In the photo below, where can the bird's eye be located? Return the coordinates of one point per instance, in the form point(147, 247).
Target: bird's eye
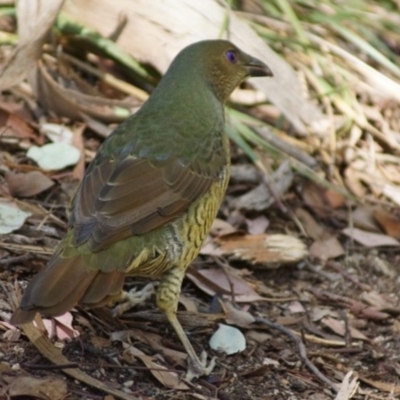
point(231, 56)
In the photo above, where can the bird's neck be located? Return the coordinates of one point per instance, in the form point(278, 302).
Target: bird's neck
point(185, 102)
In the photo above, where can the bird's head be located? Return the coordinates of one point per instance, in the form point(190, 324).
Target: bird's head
point(221, 64)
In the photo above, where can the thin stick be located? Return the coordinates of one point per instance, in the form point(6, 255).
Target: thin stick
point(302, 351)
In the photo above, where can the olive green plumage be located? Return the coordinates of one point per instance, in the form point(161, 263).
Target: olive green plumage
point(148, 199)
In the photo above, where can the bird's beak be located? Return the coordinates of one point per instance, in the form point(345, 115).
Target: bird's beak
point(256, 67)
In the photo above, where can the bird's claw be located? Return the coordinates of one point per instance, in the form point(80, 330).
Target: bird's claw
point(198, 367)
point(134, 297)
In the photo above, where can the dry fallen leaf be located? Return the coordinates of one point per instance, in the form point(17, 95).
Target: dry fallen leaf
point(11, 217)
point(217, 281)
point(220, 227)
point(339, 328)
point(310, 225)
point(72, 103)
point(363, 218)
point(152, 340)
point(49, 387)
point(326, 248)
point(334, 199)
point(235, 316)
point(257, 225)
point(163, 375)
point(389, 222)
point(261, 197)
point(383, 386)
point(348, 387)
point(14, 126)
point(375, 299)
point(392, 192)
point(313, 196)
point(27, 185)
point(369, 239)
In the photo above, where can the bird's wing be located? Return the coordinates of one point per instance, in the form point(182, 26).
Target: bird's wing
point(119, 199)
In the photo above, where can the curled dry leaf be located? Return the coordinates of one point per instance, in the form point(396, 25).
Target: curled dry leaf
point(27, 185)
point(71, 103)
point(264, 249)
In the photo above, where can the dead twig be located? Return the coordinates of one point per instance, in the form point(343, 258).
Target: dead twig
point(16, 259)
point(302, 351)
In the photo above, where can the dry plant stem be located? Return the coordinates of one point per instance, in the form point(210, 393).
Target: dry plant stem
point(16, 259)
point(347, 334)
point(325, 295)
point(94, 366)
point(270, 186)
point(223, 264)
point(26, 248)
point(336, 266)
point(119, 28)
point(186, 318)
point(108, 78)
point(302, 351)
point(286, 147)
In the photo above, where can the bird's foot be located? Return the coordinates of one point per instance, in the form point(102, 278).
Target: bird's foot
point(134, 297)
point(198, 367)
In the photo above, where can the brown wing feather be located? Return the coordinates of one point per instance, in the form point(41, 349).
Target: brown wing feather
point(136, 196)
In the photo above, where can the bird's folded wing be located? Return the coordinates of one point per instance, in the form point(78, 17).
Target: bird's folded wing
point(132, 197)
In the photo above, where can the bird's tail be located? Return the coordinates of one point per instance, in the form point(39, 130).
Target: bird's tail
point(64, 283)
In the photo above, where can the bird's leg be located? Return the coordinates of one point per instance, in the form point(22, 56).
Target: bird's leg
point(167, 296)
point(133, 297)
